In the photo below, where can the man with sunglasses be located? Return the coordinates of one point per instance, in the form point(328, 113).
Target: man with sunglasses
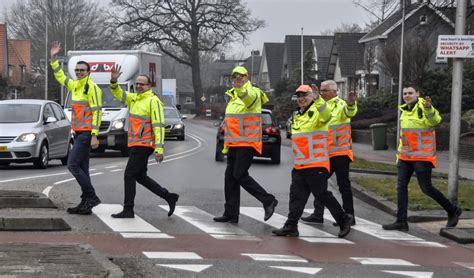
point(243, 140)
point(311, 163)
point(86, 104)
point(339, 146)
point(145, 137)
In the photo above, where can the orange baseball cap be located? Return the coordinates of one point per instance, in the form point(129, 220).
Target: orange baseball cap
point(304, 89)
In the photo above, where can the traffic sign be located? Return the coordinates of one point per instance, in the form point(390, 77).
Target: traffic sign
point(203, 98)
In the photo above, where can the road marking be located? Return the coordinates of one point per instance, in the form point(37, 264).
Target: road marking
point(110, 167)
point(47, 190)
point(382, 261)
point(275, 258)
point(122, 225)
point(414, 274)
point(173, 255)
point(181, 154)
point(145, 235)
point(425, 244)
point(203, 221)
point(34, 177)
point(189, 267)
point(307, 232)
point(72, 179)
point(307, 270)
point(466, 265)
point(116, 170)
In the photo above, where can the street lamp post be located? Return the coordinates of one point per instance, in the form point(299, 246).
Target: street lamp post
point(302, 55)
point(400, 72)
point(46, 51)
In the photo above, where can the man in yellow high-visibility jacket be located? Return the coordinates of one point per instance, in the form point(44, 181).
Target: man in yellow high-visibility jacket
point(242, 140)
point(416, 153)
point(86, 104)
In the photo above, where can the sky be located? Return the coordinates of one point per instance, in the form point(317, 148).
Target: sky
point(287, 17)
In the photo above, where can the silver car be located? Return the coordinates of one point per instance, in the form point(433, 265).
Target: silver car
point(35, 131)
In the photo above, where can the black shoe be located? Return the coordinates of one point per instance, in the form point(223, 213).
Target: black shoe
point(172, 199)
point(313, 219)
point(398, 226)
point(287, 230)
point(223, 218)
point(345, 226)
point(125, 213)
point(270, 209)
point(352, 224)
point(75, 209)
point(90, 202)
point(453, 218)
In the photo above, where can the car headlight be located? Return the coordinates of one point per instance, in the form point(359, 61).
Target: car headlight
point(118, 124)
point(27, 137)
point(178, 126)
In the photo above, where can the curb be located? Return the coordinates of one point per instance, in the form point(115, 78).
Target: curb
point(460, 235)
point(113, 271)
point(33, 224)
point(24, 199)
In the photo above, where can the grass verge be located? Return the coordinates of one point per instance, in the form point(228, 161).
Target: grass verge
point(417, 200)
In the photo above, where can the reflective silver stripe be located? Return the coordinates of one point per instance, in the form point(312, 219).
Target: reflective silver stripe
point(242, 139)
point(417, 129)
point(419, 154)
point(134, 116)
point(340, 149)
point(159, 145)
point(336, 133)
point(242, 116)
point(124, 97)
point(96, 108)
point(334, 127)
point(244, 95)
point(114, 86)
point(80, 102)
point(65, 83)
point(97, 118)
point(322, 107)
point(157, 125)
point(95, 127)
point(299, 158)
point(57, 69)
point(253, 102)
point(429, 116)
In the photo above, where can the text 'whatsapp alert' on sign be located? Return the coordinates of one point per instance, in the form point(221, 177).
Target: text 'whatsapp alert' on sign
point(455, 46)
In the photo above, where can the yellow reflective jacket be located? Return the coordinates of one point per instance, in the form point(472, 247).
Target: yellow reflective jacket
point(145, 109)
point(339, 136)
point(86, 104)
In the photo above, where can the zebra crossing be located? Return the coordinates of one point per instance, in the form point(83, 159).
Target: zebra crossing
point(193, 261)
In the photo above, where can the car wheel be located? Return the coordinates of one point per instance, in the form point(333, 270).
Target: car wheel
point(64, 159)
point(181, 138)
point(288, 135)
point(276, 155)
point(125, 151)
point(219, 155)
point(43, 159)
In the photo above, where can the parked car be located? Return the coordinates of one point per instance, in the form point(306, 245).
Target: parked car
point(35, 131)
point(288, 127)
point(270, 136)
point(174, 126)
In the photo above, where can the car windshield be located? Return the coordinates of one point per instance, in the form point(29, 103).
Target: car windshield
point(108, 99)
point(266, 119)
point(19, 113)
point(171, 113)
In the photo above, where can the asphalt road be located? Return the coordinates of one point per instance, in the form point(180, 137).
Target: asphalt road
point(199, 247)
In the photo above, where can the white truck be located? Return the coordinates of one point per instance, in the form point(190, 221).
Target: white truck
point(114, 126)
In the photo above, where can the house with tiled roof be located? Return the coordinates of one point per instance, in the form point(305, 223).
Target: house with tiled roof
point(320, 46)
point(423, 23)
point(271, 66)
point(252, 64)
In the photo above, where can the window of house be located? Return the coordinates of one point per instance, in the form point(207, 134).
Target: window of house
point(22, 72)
point(10, 70)
point(188, 100)
point(423, 19)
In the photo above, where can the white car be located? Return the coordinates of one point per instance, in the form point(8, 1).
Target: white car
point(35, 131)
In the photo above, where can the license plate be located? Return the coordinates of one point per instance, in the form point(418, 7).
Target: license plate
point(3, 148)
point(167, 130)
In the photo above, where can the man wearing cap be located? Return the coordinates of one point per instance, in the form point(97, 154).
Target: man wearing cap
point(243, 140)
point(311, 163)
point(339, 145)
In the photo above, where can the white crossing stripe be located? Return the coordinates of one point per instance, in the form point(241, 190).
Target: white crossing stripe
point(173, 255)
point(307, 232)
point(116, 170)
point(188, 267)
point(275, 257)
point(145, 235)
point(382, 261)
point(203, 221)
point(424, 244)
point(466, 265)
point(110, 167)
point(306, 270)
point(414, 274)
point(123, 225)
point(47, 190)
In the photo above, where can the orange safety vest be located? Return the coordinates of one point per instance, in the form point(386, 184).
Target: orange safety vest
point(418, 144)
point(339, 140)
point(140, 132)
point(243, 130)
point(310, 150)
point(81, 116)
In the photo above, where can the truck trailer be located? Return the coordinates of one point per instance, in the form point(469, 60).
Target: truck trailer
point(114, 126)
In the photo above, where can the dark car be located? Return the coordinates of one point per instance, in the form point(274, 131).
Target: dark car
point(271, 139)
point(174, 126)
point(288, 127)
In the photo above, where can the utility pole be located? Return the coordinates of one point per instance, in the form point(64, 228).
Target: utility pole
point(456, 97)
point(400, 72)
point(302, 56)
point(46, 51)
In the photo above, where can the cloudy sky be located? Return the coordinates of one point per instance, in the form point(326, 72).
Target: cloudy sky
point(287, 17)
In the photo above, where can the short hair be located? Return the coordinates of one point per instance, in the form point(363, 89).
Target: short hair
point(84, 63)
point(148, 79)
point(330, 83)
point(411, 84)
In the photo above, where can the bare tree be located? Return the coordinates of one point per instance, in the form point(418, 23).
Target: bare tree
point(182, 29)
point(345, 28)
point(78, 23)
point(378, 9)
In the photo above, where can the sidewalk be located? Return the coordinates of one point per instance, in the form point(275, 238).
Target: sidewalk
point(365, 151)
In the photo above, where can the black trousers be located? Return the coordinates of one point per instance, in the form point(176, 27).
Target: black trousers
point(306, 181)
point(136, 171)
point(340, 166)
point(239, 160)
